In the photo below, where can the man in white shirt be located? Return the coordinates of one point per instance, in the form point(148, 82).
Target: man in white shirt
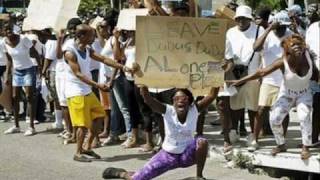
point(239, 54)
point(313, 41)
point(270, 46)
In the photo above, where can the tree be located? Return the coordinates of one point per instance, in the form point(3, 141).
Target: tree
point(273, 4)
point(92, 5)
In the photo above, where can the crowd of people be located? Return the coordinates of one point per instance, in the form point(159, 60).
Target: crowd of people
point(271, 58)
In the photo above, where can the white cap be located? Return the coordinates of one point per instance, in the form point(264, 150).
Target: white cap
point(243, 11)
point(296, 9)
point(282, 17)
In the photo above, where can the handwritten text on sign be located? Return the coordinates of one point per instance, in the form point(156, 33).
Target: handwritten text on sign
point(180, 51)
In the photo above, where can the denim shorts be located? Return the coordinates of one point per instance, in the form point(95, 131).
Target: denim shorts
point(315, 87)
point(24, 77)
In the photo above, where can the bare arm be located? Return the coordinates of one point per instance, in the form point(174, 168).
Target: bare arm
point(154, 8)
point(46, 65)
point(9, 69)
point(73, 63)
point(258, 44)
point(105, 60)
point(207, 100)
point(278, 64)
point(60, 40)
point(154, 104)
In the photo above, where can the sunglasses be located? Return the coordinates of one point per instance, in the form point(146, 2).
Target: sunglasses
point(181, 98)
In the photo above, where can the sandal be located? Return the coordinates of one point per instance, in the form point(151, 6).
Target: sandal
point(112, 172)
point(227, 148)
point(278, 149)
point(146, 148)
point(92, 154)
point(305, 154)
point(81, 158)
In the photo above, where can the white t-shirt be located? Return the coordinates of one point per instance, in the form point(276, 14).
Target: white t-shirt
point(96, 46)
point(313, 40)
point(51, 53)
point(104, 70)
point(3, 57)
point(130, 53)
point(38, 46)
point(74, 86)
point(178, 135)
point(20, 54)
point(272, 50)
point(239, 46)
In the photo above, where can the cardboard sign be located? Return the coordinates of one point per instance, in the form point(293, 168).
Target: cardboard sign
point(180, 52)
point(53, 14)
point(127, 18)
point(4, 17)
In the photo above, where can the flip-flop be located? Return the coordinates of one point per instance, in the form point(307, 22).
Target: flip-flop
point(277, 150)
point(112, 172)
point(92, 154)
point(81, 158)
point(144, 149)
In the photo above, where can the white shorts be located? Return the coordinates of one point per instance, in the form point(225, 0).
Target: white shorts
point(247, 97)
point(60, 87)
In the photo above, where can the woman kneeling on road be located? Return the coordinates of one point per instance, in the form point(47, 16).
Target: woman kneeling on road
point(180, 148)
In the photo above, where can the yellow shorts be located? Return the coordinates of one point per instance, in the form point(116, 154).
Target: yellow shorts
point(84, 109)
point(268, 95)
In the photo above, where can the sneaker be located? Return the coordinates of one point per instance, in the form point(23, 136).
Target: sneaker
point(34, 121)
point(234, 136)
point(66, 135)
point(123, 137)
point(55, 127)
point(111, 140)
point(253, 146)
point(250, 139)
point(12, 130)
point(30, 132)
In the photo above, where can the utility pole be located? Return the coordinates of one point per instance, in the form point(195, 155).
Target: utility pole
point(290, 3)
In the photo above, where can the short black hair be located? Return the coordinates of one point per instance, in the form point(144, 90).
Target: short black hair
point(186, 92)
point(264, 13)
point(73, 23)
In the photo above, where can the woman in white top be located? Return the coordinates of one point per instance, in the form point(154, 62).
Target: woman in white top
point(19, 51)
point(180, 148)
point(298, 69)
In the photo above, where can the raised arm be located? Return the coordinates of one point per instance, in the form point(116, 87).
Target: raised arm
point(154, 104)
point(60, 39)
point(278, 64)
point(258, 44)
point(207, 100)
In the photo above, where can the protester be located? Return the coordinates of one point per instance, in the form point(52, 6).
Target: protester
point(270, 46)
point(49, 72)
point(179, 149)
point(298, 69)
point(19, 51)
point(243, 60)
point(313, 41)
point(85, 109)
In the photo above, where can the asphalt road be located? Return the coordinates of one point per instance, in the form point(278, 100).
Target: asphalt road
point(44, 157)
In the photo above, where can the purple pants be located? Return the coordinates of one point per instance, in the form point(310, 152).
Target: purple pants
point(164, 161)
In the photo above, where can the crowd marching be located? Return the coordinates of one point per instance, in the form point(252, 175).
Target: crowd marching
point(272, 58)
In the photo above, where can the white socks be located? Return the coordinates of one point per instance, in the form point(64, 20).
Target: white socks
point(59, 117)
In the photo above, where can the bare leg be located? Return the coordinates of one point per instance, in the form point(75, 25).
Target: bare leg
point(31, 105)
point(201, 156)
point(258, 121)
point(252, 116)
point(16, 98)
point(106, 126)
point(80, 139)
point(67, 119)
point(225, 117)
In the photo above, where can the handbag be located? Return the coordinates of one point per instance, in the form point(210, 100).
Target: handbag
point(239, 70)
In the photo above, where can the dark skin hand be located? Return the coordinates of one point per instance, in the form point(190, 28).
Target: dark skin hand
point(180, 104)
